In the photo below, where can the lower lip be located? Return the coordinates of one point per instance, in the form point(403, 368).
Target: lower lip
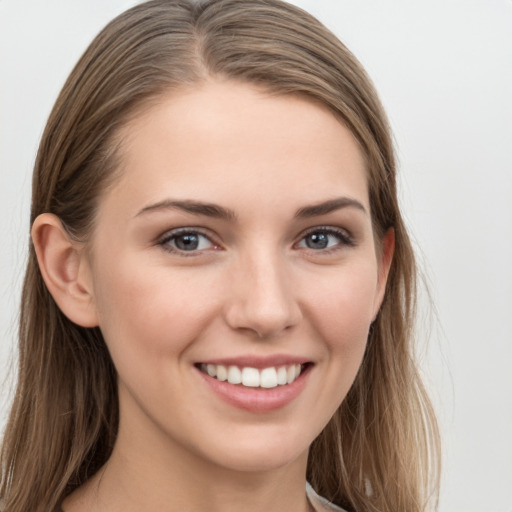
point(257, 400)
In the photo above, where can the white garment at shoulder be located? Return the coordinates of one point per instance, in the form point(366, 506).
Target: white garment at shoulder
point(320, 504)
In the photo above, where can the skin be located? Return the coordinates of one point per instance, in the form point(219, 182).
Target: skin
point(253, 287)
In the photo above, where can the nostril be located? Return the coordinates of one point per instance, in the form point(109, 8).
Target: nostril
point(267, 321)
point(262, 298)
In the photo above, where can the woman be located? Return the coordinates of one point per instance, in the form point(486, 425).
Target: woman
point(219, 298)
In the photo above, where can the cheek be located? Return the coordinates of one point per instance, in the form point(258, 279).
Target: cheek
point(342, 307)
point(150, 312)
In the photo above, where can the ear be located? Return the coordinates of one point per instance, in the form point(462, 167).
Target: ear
point(385, 257)
point(65, 269)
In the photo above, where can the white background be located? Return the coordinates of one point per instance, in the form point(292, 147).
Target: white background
point(444, 72)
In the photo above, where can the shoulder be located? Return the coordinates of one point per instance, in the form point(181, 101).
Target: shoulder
point(320, 504)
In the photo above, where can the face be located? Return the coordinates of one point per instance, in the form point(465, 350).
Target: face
point(237, 245)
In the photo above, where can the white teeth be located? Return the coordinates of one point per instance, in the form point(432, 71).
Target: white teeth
point(251, 377)
point(270, 377)
point(211, 369)
point(234, 375)
point(282, 376)
point(290, 374)
point(222, 372)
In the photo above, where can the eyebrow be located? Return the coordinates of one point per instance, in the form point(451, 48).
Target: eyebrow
point(194, 207)
point(329, 206)
point(219, 212)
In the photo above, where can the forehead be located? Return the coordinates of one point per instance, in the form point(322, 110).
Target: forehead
point(225, 141)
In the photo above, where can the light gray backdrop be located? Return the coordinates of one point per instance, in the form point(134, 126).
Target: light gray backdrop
point(444, 72)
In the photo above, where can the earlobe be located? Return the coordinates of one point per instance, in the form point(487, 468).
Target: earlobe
point(385, 259)
point(64, 269)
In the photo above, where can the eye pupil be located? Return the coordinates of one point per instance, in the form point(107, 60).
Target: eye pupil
point(317, 240)
point(188, 242)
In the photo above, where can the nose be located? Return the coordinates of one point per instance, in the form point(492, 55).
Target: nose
point(262, 297)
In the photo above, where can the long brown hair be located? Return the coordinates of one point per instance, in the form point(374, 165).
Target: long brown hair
point(379, 452)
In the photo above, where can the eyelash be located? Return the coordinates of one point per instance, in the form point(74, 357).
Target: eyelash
point(344, 238)
point(178, 233)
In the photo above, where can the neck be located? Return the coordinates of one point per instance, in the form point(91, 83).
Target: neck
point(151, 472)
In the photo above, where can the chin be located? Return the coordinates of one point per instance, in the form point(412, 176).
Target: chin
point(264, 461)
point(259, 453)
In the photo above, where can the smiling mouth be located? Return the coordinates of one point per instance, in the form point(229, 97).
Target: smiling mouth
point(265, 378)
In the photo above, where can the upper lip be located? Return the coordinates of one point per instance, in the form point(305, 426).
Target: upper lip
point(258, 362)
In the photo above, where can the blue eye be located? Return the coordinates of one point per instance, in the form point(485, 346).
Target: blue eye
point(186, 240)
point(325, 238)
